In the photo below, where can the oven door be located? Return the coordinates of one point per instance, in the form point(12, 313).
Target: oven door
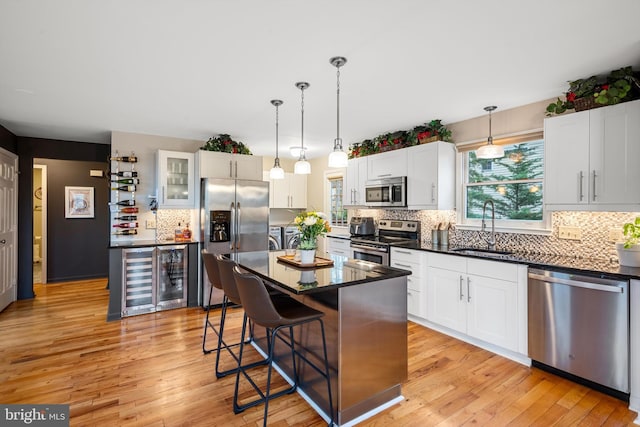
point(369, 253)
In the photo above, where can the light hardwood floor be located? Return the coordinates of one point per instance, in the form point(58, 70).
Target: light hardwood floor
point(149, 370)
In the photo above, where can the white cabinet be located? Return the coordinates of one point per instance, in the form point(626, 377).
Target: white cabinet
point(431, 176)
point(176, 179)
point(214, 164)
point(476, 297)
point(416, 262)
point(387, 165)
point(339, 246)
point(354, 183)
point(590, 159)
point(290, 192)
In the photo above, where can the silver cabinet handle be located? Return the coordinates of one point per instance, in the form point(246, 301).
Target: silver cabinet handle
point(433, 193)
point(403, 252)
point(468, 293)
point(461, 294)
point(386, 174)
point(230, 169)
point(162, 194)
point(580, 193)
point(594, 185)
point(403, 265)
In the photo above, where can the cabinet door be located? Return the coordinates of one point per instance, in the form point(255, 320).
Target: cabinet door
point(214, 164)
point(298, 191)
point(279, 192)
point(566, 159)
point(355, 179)
point(386, 165)
point(446, 298)
point(338, 246)
point(614, 153)
point(422, 176)
point(247, 167)
point(492, 311)
point(175, 179)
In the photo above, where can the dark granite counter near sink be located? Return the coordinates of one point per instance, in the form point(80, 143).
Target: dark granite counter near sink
point(598, 266)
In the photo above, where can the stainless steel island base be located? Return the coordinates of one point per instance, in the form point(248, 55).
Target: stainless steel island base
point(366, 332)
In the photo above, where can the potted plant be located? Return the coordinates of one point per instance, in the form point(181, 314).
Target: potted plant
point(311, 225)
point(629, 250)
point(224, 143)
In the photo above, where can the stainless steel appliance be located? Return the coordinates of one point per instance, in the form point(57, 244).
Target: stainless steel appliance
point(376, 248)
point(362, 226)
point(580, 325)
point(234, 217)
point(275, 238)
point(386, 192)
point(290, 237)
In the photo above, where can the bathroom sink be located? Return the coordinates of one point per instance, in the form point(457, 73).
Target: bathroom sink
point(489, 253)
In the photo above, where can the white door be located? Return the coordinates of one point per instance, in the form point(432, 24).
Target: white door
point(8, 228)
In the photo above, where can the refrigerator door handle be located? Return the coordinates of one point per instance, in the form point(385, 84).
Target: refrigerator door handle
point(233, 227)
point(237, 233)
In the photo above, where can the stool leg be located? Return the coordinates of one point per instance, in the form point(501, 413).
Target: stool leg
point(327, 371)
point(207, 323)
point(221, 343)
point(236, 408)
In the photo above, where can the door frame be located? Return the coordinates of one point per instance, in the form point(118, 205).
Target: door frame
point(14, 227)
point(43, 241)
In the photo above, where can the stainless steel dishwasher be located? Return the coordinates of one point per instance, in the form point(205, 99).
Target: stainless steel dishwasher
point(580, 325)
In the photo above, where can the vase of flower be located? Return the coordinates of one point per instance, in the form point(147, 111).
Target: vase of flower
point(311, 225)
point(307, 256)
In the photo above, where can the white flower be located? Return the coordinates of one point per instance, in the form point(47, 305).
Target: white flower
point(309, 221)
point(322, 215)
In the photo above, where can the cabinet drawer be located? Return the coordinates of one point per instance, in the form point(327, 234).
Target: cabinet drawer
point(413, 267)
point(448, 262)
point(413, 283)
point(338, 243)
point(493, 269)
point(406, 255)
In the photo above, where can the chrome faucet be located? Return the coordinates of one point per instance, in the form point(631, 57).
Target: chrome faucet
point(491, 241)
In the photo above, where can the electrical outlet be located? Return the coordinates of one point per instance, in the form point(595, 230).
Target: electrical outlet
point(150, 224)
point(569, 233)
point(615, 235)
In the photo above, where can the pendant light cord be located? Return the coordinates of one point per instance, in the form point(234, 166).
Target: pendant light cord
point(338, 140)
point(302, 154)
point(277, 132)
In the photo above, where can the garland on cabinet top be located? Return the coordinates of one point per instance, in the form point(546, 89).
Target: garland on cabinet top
point(427, 132)
point(224, 143)
point(584, 94)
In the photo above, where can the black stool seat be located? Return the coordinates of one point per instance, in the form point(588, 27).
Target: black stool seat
point(275, 314)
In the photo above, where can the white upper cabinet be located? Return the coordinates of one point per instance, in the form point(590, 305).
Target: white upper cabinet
point(590, 159)
point(387, 165)
point(355, 178)
point(176, 179)
point(431, 176)
point(290, 192)
point(214, 164)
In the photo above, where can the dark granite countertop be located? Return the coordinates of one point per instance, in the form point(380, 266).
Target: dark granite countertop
point(344, 272)
point(597, 266)
point(126, 244)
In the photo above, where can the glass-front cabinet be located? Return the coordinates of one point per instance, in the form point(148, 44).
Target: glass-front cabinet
point(176, 179)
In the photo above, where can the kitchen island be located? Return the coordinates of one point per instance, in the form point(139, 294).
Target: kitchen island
point(365, 306)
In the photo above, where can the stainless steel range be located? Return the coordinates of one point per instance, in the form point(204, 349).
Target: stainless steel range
point(375, 248)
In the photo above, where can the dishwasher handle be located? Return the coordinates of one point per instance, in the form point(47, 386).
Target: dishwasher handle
point(577, 283)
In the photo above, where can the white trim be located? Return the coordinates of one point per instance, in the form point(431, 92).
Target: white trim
point(498, 137)
point(43, 238)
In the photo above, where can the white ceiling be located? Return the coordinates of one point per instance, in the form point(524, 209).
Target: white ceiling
point(78, 69)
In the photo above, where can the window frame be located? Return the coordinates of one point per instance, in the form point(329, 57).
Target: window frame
point(542, 226)
point(330, 175)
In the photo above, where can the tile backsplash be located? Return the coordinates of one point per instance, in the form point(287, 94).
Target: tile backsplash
point(594, 226)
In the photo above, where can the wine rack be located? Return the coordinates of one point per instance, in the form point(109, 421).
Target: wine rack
point(123, 182)
point(139, 266)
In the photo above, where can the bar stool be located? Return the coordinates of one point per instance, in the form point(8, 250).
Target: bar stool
point(211, 267)
point(275, 315)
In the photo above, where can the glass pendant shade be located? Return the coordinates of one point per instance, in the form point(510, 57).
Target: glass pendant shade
point(302, 167)
point(338, 159)
point(276, 172)
point(490, 151)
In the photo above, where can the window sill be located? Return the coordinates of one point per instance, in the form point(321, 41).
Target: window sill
point(514, 230)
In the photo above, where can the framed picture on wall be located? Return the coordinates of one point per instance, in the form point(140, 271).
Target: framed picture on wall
point(79, 202)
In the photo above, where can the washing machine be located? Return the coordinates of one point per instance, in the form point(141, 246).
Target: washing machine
point(275, 238)
point(291, 237)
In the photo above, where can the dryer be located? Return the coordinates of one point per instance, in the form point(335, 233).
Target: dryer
point(291, 237)
point(275, 238)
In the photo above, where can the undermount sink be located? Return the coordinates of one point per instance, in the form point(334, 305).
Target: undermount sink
point(483, 252)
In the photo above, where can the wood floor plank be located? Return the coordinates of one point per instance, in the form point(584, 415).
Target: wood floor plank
point(149, 370)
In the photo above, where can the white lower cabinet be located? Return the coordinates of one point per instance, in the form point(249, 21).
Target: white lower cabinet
point(338, 246)
point(414, 261)
point(479, 298)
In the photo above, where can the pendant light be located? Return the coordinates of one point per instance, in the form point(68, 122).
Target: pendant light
point(338, 158)
point(490, 151)
point(276, 171)
point(302, 166)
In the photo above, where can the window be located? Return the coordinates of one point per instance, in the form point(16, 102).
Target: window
point(337, 213)
point(514, 183)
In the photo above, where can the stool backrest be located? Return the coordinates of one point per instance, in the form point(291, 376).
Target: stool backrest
point(256, 301)
point(211, 267)
point(225, 268)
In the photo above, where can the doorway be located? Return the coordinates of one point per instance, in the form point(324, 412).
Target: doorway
point(39, 238)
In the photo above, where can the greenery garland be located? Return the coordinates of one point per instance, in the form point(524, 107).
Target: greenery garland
point(225, 144)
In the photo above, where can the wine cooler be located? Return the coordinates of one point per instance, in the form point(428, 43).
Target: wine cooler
point(154, 278)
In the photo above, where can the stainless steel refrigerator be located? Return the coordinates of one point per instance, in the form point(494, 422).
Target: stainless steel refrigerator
point(234, 217)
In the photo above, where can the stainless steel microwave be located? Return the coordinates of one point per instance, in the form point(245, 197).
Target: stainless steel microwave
point(386, 192)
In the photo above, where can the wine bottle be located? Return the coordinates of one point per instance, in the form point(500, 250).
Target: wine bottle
point(124, 203)
point(126, 232)
point(126, 181)
point(126, 225)
point(126, 159)
point(129, 210)
point(126, 218)
point(125, 188)
point(126, 174)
